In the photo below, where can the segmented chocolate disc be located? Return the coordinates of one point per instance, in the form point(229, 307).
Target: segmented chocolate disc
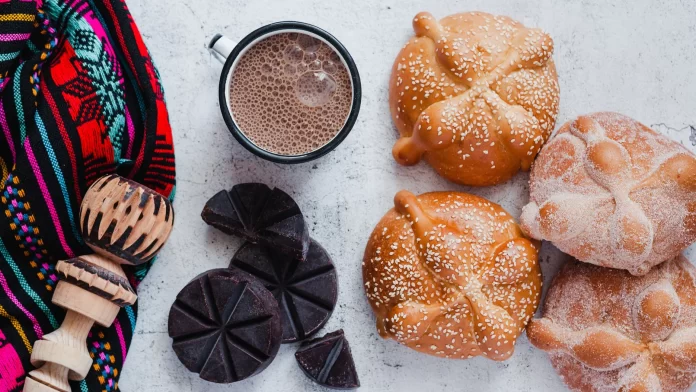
point(260, 215)
point(306, 291)
point(225, 326)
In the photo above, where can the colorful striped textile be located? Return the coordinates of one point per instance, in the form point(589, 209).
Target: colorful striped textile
point(79, 98)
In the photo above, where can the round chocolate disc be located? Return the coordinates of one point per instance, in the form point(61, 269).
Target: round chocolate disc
point(306, 291)
point(225, 325)
point(260, 215)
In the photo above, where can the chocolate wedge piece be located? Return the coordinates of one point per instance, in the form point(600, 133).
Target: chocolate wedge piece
point(306, 291)
point(225, 326)
point(260, 215)
point(328, 361)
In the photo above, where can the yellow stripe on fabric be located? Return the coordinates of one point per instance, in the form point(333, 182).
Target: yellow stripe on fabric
point(18, 327)
point(3, 168)
point(17, 18)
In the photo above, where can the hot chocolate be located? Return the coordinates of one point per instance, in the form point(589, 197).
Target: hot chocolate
point(290, 94)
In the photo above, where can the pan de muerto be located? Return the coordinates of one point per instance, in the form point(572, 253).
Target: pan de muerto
point(612, 192)
point(607, 330)
point(474, 94)
point(450, 274)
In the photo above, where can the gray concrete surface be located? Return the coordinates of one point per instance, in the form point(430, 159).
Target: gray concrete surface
point(637, 57)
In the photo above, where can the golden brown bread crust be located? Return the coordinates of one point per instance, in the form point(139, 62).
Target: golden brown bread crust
point(607, 330)
point(475, 94)
point(612, 192)
point(451, 274)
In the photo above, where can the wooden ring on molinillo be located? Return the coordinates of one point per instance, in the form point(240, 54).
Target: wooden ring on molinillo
point(125, 223)
point(85, 272)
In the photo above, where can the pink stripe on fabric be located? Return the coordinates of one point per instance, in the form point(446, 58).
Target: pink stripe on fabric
point(14, 37)
point(11, 369)
point(131, 134)
point(10, 295)
point(121, 339)
point(47, 198)
point(8, 135)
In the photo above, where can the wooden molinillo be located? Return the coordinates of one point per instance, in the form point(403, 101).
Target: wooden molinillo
point(124, 223)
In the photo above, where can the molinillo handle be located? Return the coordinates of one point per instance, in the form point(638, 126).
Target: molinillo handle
point(221, 47)
point(124, 223)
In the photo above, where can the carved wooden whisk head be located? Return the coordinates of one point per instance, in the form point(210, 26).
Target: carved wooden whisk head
point(125, 221)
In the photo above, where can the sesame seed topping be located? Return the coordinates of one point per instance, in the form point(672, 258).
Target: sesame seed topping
point(460, 280)
point(486, 84)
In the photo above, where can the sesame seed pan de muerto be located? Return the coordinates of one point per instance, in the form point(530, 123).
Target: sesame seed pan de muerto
point(612, 192)
point(450, 274)
point(475, 95)
point(607, 330)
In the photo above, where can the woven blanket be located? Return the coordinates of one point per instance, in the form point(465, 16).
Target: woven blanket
point(79, 98)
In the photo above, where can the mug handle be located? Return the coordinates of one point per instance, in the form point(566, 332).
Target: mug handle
point(221, 47)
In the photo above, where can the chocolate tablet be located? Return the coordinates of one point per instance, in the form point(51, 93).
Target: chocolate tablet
point(306, 291)
point(225, 326)
point(328, 361)
point(260, 215)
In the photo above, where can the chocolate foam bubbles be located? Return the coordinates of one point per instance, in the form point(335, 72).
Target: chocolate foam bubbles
point(290, 94)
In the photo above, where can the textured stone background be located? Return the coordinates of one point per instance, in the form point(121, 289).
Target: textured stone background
point(636, 57)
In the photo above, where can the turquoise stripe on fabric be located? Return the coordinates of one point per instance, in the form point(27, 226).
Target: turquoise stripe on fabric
point(18, 103)
point(9, 56)
point(23, 282)
point(131, 317)
point(32, 47)
point(59, 174)
point(83, 386)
